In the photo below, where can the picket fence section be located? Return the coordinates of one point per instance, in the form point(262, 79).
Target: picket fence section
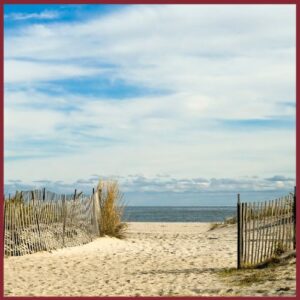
point(265, 229)
point(41, 221)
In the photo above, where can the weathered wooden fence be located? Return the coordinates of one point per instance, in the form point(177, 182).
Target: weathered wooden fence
point(265, 229)
point(41, 220)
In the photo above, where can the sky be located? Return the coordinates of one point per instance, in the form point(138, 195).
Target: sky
point(170, 100)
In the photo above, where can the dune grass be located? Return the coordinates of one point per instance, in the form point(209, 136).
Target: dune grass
point(111, 209)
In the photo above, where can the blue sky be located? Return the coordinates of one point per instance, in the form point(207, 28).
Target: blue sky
point(34, 14)
point(154, 96)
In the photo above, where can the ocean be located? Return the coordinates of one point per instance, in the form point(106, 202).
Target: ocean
point(178, 213)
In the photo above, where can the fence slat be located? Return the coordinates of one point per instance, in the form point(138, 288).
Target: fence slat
point(253, 233)
point(291, 227)
point(245, 233)
point(264, 232)
point(259, 232)
point(279, 231)
point(283, 238)
point(272, 229)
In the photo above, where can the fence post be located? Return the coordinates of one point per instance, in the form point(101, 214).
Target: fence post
point(44, 194)
point(75, 192)
point(238, 232)
point(294, 217)
point(64, 217)
point(96, 210)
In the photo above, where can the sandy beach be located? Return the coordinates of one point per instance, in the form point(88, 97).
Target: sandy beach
point(155, 259)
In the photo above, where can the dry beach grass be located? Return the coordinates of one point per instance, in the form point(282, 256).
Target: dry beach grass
point(111, 209)
point(154, 259)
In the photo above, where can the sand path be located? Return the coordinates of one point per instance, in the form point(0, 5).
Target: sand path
point(155, 259)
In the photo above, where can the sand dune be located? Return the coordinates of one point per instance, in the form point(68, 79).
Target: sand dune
point(155, 259)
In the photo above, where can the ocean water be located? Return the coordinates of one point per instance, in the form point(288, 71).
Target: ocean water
point(178, 213)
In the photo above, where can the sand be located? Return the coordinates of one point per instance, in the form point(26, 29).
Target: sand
point(155, 259)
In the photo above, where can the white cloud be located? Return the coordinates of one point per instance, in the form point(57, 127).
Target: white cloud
point(233, 55)
point(198, 154)
point(44, 15)
point(218, 62)
point(18, 71)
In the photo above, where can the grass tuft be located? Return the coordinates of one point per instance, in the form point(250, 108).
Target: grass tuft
point(111, 210)
point(231, 220)
point(214, 226)
point(246, 277)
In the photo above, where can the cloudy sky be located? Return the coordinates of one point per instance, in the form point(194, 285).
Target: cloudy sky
point(166, 99)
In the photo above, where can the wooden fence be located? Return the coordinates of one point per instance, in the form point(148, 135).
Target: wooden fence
point(40, 220)
point(265, 229)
